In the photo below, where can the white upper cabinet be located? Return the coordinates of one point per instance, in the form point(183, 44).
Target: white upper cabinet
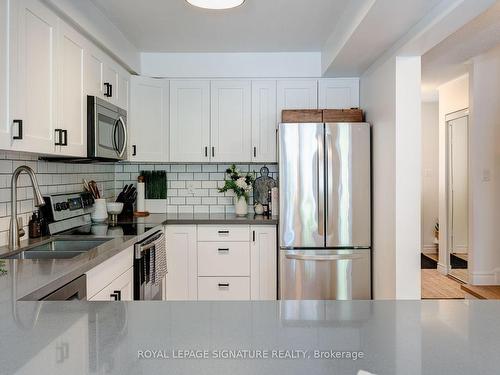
point(231, 121)
point(110, 82)
point(71, 126)
point(264, 124)
point(94, 66)
point(148, 120)
point(33, 76)
point(189, 121)
point(297, 94)
point(123, 90)
point(5, 138)
point(339, 93)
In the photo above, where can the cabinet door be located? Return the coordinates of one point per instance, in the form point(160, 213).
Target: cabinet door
point(189, 121)
point(110, 82)
point(263, 258)
point(230, 128)
point(181, 279)
point(120, 289)
point(33, 76)
point(123, 90)
point(149, 119)
point(94, 65)
point(339, 93)
point(71, 95)
point(297, 94)
point(5, 136)
point(264, 123)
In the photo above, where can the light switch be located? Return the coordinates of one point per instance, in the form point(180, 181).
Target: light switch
point(486, 175)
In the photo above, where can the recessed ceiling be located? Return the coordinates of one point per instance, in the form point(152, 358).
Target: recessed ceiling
point(449, 59)
point(255, 26)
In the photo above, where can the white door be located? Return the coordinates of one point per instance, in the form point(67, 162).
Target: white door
point(110, 82)
point(5, 137)
point(94, 65)
point(230, 130)
point(149, 119)
point(339, 93)
point(189, 121)
point(263, 258)
point(181, 279)
point(264, 124)
point(71, 129)
point(33, 76)
point(297, 94)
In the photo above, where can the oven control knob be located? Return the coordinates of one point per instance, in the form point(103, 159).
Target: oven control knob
point(64, 205)
point(58, 207)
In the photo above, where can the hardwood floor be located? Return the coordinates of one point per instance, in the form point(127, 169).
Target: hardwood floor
point(437, 286)
point(460, 274)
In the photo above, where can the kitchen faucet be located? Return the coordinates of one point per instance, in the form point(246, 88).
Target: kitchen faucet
point(14, 235)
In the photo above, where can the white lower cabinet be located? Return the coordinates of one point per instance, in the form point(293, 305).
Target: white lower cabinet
point(181, 283)
point(221, 262)
point(223, 288)
point(113, 279)
point(120, 289)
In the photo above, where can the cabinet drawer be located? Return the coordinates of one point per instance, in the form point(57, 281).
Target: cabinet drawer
point(223, 288)
point(223, 233)
point(223, 258)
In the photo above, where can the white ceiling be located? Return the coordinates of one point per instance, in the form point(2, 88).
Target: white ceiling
point(256, 26)
point(450, 58)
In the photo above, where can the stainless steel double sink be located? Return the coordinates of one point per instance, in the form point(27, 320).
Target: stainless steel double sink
point(57, 249)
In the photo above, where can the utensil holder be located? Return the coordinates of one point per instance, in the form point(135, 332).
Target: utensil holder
point(100, 212)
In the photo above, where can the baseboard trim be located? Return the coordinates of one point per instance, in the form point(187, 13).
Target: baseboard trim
point(482, 278)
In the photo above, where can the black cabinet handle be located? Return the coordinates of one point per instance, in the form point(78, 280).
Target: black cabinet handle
point(226, 250)
point(255, 152)
point(206, 151)
point(134, 150)
point(109, 89)
point(118, 295)
point(213, 151)
point(114, 296)
point(253, 236)
point(223, 285)
point(19, 129)
point(223, 232)
point(65, 134)
point(58, 136)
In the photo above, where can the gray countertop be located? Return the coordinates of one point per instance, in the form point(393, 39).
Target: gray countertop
point(224, 219)
point(404, 337)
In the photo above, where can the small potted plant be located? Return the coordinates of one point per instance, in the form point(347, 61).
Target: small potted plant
point(241, 185)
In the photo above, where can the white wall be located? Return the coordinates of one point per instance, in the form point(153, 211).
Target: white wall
point(390, 95)
point(224, 65)
point(484, 178)
point(430, 173)
point(453, 96)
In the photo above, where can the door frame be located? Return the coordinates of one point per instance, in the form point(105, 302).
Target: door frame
point(449, 181)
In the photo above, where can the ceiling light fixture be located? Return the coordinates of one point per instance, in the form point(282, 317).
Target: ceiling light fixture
point(216, 4)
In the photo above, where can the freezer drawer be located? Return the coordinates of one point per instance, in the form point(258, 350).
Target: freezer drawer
point(325, 274)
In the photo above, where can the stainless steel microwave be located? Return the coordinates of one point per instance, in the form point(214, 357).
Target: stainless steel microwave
point(106, 130)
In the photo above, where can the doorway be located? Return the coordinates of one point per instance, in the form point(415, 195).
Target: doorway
point(457, 125)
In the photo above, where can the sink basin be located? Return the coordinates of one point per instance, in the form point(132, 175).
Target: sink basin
point(57, 249)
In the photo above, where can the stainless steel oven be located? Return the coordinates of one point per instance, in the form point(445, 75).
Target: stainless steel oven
point(106, 130)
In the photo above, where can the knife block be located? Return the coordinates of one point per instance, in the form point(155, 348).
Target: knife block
point(128, 211)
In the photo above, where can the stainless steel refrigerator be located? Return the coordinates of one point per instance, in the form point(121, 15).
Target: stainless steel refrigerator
point(325, 211)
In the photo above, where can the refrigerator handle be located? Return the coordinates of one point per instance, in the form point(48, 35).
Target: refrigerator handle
point(321, 185)
point(328, 155)
point(324, 257)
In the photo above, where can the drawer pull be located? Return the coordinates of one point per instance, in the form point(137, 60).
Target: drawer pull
point(223, 285)
point(223, 250)
point(223, 232)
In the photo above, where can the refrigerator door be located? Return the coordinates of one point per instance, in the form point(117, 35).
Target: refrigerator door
point(325, 274)
point(301, 166)
point(348, 182)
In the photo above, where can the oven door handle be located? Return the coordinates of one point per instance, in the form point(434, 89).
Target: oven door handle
point(121, 122)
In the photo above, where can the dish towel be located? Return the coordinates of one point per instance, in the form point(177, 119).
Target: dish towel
point(158, 260)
